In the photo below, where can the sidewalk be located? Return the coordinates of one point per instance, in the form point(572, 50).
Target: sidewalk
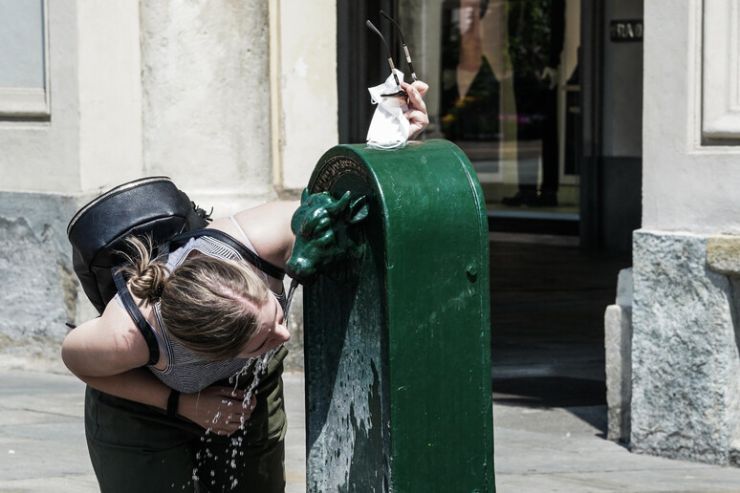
point(42, 446)
point(42, 435)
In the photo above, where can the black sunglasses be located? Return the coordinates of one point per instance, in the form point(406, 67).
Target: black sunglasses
point(372, 27)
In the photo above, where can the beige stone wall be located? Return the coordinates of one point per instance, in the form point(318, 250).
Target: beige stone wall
point(308, 88)
point(689, 183)
point(235, 101)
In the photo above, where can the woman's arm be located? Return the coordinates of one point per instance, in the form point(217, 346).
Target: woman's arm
point(105, 346)
point(108, 354)
point(221, 409)
point(268, 228)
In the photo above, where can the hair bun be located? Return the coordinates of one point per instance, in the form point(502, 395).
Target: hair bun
point(149, 283)
point(147, 277)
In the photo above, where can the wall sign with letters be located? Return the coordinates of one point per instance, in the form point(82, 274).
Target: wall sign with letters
point(626, 30)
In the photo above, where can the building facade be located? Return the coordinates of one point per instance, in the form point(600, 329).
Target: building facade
point(685, 365)
point(226, 98)
point(613, 122)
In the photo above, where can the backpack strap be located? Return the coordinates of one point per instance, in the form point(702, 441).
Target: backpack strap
point(268, 268)
point(141, 323)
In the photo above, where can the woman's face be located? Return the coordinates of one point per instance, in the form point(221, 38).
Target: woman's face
point(271, 331)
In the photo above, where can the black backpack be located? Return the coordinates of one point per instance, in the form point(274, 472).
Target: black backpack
point(152, 207)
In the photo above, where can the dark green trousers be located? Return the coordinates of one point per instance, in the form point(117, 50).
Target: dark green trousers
point(137, 448)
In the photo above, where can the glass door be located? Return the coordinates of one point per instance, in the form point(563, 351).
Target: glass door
point(505, 88)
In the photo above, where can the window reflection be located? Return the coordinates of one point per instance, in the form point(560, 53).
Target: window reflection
point(508, 92)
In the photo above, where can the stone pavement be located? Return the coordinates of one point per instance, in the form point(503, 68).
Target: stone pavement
point(42, 446)
point(42, 434)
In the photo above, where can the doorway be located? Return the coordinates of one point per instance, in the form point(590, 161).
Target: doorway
point(519, 86)
point(510, 98)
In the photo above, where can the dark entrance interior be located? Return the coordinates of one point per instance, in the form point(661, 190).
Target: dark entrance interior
point(547, 316)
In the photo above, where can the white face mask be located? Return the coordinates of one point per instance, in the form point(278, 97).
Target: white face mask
point(389, 127)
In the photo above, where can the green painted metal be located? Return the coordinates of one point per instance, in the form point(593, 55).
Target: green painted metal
point(397, 337)
point(323, 231)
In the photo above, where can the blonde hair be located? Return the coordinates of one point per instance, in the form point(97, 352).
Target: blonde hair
point(207, 303)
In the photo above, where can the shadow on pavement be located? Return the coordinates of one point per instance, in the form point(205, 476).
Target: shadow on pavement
point(547, 325)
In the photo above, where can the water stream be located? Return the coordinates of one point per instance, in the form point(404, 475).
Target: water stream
point(256, 367)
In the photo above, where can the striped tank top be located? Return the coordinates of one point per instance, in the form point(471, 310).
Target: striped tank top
point(186, 371)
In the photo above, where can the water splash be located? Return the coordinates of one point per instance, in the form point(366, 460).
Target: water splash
point(256, 368)
point(291, 292)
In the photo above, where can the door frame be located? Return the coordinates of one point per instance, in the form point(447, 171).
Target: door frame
point(361, 63)
point(592, 95)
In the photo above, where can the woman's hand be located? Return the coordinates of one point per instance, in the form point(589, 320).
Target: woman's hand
point(220, 409)
point(417, 112)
